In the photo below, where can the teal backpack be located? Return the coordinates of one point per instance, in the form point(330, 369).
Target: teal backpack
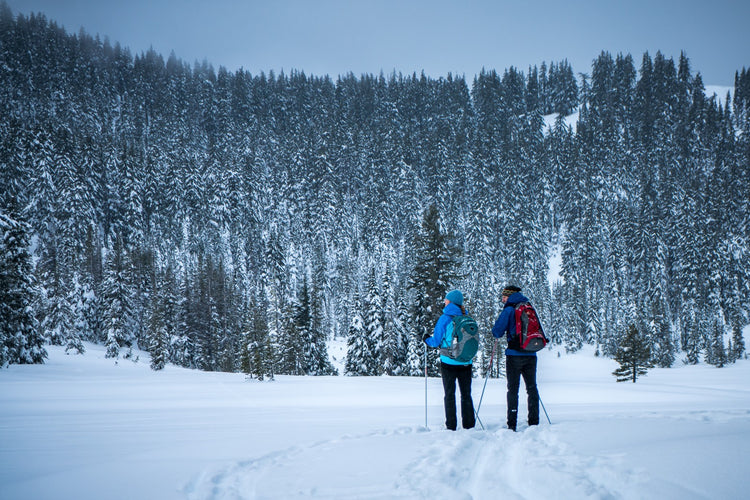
point(461, 342)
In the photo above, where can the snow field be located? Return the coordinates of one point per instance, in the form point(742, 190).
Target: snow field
point(83, 427)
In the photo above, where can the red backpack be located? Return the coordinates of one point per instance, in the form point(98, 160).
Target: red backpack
point(528, 328)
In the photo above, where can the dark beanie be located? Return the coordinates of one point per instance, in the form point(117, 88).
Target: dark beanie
point(510, 290)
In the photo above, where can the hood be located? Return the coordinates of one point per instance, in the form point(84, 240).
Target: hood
point(452, 310)
point(516, 298)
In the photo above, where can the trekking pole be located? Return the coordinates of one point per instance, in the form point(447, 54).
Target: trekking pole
point(545, 409)
point(425, 387)
point(492, 357)
point(476, 415)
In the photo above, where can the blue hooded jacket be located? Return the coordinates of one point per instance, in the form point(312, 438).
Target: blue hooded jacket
point(444, 329)
point(506, 323)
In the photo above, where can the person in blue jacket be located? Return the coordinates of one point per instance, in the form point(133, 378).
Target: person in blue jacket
point(517, 362)
point(450, 369)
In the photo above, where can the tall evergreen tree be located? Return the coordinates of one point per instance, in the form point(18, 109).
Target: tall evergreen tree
point(288, 346)
point(738, 344)
point(164, 315)
point(257, 360)
point(182, 350)
point(118, 324)
point(358, 360)
point(436, 268)
point(316, 349)
point(374, 323)
point(394, 346)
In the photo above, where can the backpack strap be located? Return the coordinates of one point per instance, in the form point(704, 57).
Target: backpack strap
point(444, 344)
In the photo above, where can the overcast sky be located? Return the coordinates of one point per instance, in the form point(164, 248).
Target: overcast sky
point(335, 37)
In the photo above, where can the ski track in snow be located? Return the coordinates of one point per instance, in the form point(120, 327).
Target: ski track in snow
point(532, 463)
point(473, 464)
point(294, 472)
point(714, 416)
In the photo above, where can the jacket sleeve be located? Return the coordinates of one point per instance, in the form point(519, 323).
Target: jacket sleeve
point(439, 332)
point(503, 322)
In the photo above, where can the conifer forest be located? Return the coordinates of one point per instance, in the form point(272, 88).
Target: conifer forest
point(231, 221)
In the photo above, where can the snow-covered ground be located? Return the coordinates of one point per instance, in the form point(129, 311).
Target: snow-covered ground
point(83, 427)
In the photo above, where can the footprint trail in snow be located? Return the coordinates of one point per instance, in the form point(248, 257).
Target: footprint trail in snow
point(470, 464)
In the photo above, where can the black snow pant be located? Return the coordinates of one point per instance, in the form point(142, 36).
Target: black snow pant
point(450, 374)
point(515, 367)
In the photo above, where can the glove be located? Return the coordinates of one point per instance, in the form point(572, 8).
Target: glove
point(426, 336)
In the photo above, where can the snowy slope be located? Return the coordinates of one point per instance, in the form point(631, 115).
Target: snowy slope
point(81, 427)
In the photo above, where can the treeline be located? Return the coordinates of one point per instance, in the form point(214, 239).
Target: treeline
point(229, 221)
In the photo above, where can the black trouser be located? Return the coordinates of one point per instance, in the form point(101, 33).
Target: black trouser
point(450, 374)
point(515, 366)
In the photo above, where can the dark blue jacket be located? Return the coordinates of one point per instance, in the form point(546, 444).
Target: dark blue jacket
point(444, 330)
point(506, 323)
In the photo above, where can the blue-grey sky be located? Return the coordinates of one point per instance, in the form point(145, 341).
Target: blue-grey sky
point(335, 37)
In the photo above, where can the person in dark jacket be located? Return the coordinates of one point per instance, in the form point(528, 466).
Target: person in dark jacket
point(450, 369)
point(518, 363)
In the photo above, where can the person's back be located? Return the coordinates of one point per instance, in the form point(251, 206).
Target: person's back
point(451, 369)
point(517, 361)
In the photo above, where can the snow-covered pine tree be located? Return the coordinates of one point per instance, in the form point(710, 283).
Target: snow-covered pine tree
point(87, 307)
point(563, 88)
point(436, 268)
point(357, 352)
point(117, 300)
point(738, 344)
point(316, 348)
point(394, 345)
point(164, 318)
point(20, 338)
point(525, 197)
point(75, 337)
point(182, 350)
point(660, 332)
point(592, 181)
point(483, 237)
point(158, 337)
point(256, 358)
point(716, 353)
point(288, 346)
point(633, 355)
point(56, 253)
point(295, 334)
point(374, 325)
point(57, 321)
